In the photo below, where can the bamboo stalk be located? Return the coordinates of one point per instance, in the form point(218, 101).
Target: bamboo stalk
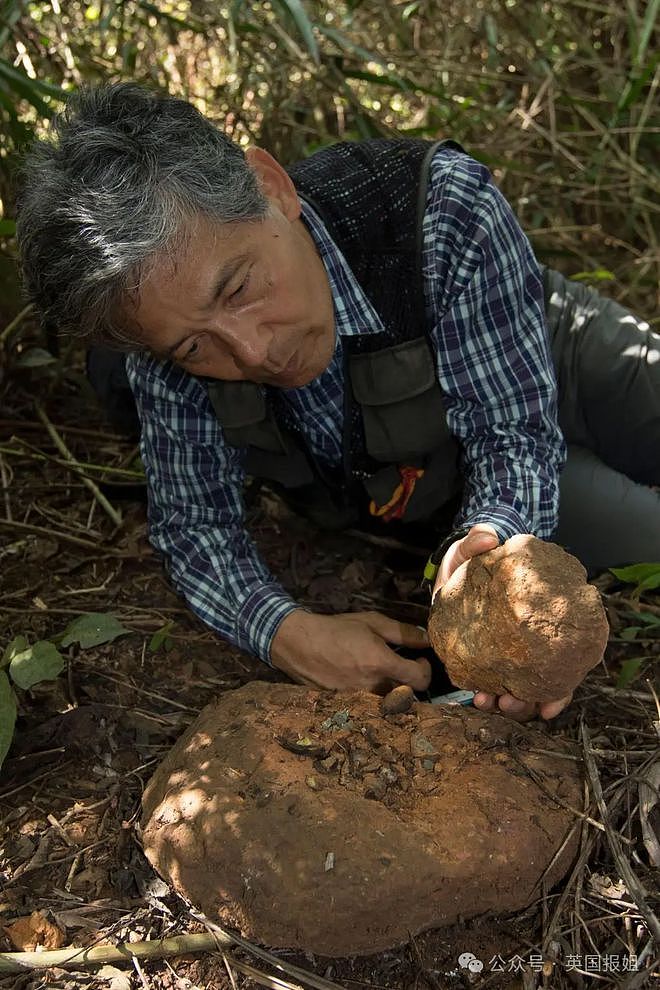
point(99, 955)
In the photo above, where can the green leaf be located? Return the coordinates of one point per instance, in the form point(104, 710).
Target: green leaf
point(648, 618)
point(650, 21)
point(31, 90)
point(40, 662)
point(35, 357)
point(629, 670)
point(93, 630)
point(645, 576)
point(161, 637)
point(7, 715)
point(597, 275)
point(386, 79)
point(7, 228)
point(298, 15)
point(17, 645)
point(630, 633)
point(410, 9)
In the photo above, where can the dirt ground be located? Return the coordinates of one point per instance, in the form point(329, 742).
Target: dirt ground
point(87, 743)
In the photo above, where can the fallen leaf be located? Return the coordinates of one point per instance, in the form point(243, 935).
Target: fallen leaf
point(117, 979)
point(34, 932)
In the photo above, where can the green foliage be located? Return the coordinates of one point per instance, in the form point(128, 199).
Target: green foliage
point(162, 638)
point(7, 715)
point(27, 664)
point(31, 664)
point(93, 629)
point(559, 100)
point(646, 577)
point(629, 671)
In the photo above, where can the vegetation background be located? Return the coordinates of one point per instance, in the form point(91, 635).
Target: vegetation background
point(560, 98)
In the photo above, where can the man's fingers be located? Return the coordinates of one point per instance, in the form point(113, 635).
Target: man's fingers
point(550, 709)
point(484, 702)
point(480, 539)
point(515, 708)
point(416, 673)
point(393, 631)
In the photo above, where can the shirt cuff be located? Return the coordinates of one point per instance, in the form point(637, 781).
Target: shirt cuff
point(260, 617)
point(505, 521)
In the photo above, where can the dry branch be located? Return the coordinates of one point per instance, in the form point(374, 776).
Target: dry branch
point(114, 515)
point(633, 883)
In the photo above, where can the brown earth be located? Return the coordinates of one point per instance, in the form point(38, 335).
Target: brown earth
point(520, 619)
point(310, 820)
point(86, 743)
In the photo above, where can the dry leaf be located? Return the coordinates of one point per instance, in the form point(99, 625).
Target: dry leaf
point(117, 979)
point(35, 932)
point(605, 887)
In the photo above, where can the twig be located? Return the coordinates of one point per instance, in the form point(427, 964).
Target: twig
point(316, 982)
point(5, 488)
point(148, 694)
point(15, 323)
point(30, 424)
point(634, 885)
point(33, 453)
point(114, 515)
point(44, 531)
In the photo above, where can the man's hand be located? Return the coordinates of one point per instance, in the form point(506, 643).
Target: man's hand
point(481, 539)
point(349, 651)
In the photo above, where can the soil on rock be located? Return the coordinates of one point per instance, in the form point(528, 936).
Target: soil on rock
point(520, 619)
point(311, 820)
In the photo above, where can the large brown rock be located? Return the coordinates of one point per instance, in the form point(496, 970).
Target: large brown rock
point(311, 820)
point(520, 619)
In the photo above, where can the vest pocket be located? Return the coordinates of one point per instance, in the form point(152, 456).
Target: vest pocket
point(244, 416)
point(401, 401)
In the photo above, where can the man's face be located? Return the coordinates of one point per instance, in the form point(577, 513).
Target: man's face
point(246, 301)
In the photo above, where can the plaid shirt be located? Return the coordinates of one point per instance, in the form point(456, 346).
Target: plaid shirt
point(485, 307)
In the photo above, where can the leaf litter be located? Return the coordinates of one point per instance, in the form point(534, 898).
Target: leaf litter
point(87, 742)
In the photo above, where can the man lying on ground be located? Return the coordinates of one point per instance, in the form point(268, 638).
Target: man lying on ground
point(367, 330)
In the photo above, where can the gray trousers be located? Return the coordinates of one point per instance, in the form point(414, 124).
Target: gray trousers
point(608, 370)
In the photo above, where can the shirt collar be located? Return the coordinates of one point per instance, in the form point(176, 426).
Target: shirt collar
point(354, 314)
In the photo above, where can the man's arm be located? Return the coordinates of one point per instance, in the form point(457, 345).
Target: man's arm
point(494, 363)
point(485, 298)
point(197, 522)
point(196, 509)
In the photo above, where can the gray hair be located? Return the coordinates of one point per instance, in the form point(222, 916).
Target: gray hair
point(117, 182)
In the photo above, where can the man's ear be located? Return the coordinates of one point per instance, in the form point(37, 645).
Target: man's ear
point(275, 182)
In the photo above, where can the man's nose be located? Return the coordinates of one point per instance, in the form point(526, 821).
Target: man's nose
point(247, 342)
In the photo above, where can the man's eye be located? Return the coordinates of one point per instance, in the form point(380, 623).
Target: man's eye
point(240, 290)
point(191, 352)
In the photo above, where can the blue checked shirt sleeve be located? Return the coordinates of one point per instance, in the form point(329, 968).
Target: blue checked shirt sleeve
point(486, 302)
point(196, 509)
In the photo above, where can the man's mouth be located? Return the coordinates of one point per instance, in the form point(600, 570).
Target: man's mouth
point(288, 369)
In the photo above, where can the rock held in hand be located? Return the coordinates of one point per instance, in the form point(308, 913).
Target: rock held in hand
point(521, 620)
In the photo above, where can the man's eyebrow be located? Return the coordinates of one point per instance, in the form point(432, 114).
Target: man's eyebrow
point(225, 276)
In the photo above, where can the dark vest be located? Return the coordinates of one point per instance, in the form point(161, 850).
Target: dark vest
point(371, 196)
